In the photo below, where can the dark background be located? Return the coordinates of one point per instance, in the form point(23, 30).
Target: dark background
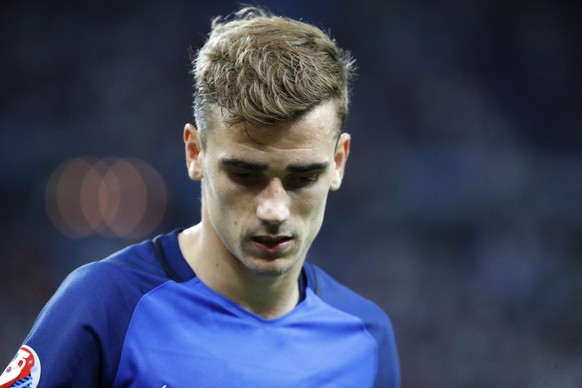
point(461, 210)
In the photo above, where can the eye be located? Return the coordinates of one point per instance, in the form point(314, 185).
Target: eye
point(299, 181)
point(244, 177)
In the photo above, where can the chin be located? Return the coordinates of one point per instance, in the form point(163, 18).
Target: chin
point(269, 268)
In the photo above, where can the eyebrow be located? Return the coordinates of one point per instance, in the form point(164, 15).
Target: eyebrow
point(237, 163)
point(258, 167)
point(298, 168)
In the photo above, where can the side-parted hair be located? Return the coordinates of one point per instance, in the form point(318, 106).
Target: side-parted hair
point(264, 69)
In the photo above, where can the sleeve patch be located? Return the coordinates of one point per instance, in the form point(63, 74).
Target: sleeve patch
point(23, 371)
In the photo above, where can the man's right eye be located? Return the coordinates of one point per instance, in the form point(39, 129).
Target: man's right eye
point(244, 177)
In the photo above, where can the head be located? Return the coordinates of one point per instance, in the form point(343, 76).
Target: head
point(270, 103)
point(264, 69)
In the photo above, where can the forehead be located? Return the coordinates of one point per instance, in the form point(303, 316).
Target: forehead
point(314, 132)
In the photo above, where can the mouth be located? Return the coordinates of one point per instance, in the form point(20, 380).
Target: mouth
point(271, 243)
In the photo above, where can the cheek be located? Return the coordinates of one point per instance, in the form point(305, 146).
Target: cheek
point(219, 193)
point(224, 212)
point(311, 208)
point(228, 206)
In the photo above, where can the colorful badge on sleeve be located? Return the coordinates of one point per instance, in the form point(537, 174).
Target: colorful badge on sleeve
point(23, 370)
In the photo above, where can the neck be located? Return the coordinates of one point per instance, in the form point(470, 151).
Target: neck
point(266, 296)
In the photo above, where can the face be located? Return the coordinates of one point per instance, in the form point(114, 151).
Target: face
point(264, 189)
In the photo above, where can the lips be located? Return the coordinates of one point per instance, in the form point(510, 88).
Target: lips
point(272, 244)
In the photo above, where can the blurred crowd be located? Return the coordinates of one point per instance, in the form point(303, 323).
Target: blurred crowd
point(461, 210)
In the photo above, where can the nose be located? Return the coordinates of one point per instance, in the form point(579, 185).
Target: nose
point(273, 207)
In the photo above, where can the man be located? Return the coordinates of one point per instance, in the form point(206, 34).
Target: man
point(231, 301)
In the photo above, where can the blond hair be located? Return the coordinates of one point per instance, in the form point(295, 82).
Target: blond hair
point(265, 69)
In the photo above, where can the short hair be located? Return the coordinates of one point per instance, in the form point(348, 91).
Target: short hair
point(265, 69)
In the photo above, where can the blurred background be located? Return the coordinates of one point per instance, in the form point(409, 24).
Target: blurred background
point(461, 210)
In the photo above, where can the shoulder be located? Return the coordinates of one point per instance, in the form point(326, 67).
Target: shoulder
point(115, 284)
point(342, 297)
point(134, 266)
point(91, 311)
point(147, 263)
point(91, 295)
point(373, 318)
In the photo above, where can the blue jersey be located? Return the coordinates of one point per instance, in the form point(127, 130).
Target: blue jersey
point(142, 318)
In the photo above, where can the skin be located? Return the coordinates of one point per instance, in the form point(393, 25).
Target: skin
point(264, 190)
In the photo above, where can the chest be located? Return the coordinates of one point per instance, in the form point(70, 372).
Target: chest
point(198, 340)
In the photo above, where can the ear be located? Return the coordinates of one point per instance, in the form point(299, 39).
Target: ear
point(342, 152)
point(194, 152)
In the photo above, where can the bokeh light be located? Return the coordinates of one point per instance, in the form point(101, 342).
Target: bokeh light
point(114, 197)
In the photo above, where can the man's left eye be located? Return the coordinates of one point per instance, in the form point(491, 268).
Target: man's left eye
point(295, 182)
